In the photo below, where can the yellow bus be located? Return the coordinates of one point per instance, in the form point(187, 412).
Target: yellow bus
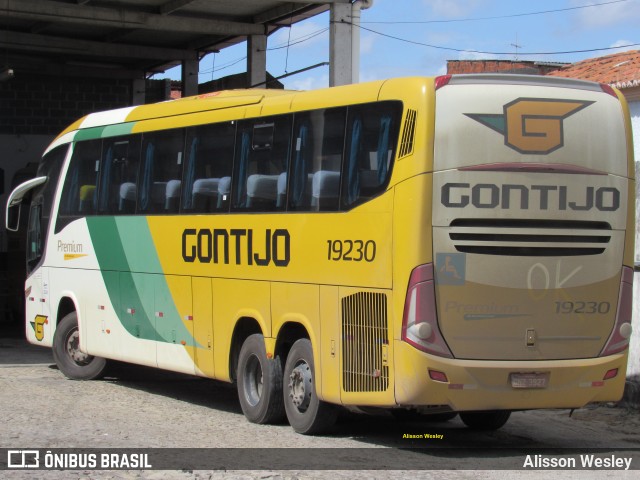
point(425, 245)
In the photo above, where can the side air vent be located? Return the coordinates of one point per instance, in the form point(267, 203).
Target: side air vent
point(529, 238)
point(408, 134)
point(365, 343)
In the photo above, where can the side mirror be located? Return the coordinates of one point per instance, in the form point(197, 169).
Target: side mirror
point(12, 219)
point(12, 216)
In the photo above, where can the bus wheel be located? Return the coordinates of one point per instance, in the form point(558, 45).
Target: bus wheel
point(306, 413)
point(489, 420)
point(75, 364)
point(259, 382)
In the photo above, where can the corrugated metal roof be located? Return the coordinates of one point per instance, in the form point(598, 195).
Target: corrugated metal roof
point(126, 37)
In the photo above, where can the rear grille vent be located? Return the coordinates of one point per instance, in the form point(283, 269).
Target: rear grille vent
point(529, 238)
point(408, 134)
point(365, 341)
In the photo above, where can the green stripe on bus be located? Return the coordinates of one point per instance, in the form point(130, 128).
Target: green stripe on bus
point(118, 129)
point(135, 291)
point(120, 287)
point(107, 244)
point(94, 133)
point(88, 134)
point(141, 256)
point(138, 244)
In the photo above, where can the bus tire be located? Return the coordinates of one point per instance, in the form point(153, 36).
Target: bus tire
point(487, 420)
point(73, 363)
point(307, 414)
point(259, 382)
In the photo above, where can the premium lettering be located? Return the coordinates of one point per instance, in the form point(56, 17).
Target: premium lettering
point(69, 247)
point(523, 197)
point(238, 245)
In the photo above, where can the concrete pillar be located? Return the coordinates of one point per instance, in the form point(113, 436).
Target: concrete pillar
point(257, 61)
point(190, 69)
point(340, 45)
point(138, 91)
point(356, 13)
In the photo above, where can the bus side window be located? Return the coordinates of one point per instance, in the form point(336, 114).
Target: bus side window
point(315, 161)
point(35, 240)
point(79, 194)
point(160, 177)
point(43, 199)
point(262, 157)
point(372, 133)
point(118, 175)
point(209, 160)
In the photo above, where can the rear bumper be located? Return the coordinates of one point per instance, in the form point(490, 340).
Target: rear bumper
point(485, 384)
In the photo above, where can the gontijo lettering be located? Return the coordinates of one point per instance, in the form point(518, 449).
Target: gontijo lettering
point(240, 245)
point(543, 197)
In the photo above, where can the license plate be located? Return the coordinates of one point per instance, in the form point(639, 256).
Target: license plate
point(529, 380)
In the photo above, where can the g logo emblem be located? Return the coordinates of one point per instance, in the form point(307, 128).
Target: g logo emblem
point(532, 125)
point(38, 326)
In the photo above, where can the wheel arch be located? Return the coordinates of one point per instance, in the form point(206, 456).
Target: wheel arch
point(66, 305)
point(244, 327)
point(289, 332)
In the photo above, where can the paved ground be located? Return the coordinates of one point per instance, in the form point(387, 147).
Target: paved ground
point(141, 408)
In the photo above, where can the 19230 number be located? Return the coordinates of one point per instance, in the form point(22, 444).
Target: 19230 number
point(351, 250)
point(583, 307)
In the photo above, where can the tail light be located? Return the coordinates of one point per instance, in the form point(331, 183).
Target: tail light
point(608, 89)
point(619, 338)
point(438, 376)
point(420, 322)
point(442, 81)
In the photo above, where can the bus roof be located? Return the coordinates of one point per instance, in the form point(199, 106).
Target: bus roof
point(123, 121)
point(239, 104)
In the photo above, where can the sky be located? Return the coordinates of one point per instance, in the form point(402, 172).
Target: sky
point(417, 37)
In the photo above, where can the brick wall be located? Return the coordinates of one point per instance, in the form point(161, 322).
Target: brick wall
point(494, 66)
point(40, 105)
